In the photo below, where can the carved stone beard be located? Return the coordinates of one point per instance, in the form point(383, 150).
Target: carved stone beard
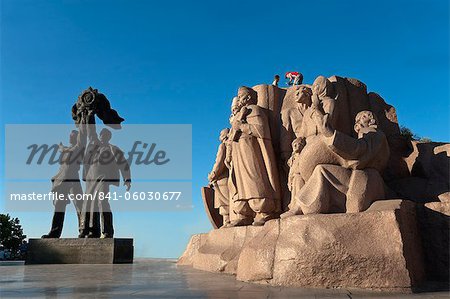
point(361, 129)
point(303, 102)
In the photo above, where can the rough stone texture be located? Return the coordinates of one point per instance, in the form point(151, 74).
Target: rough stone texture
point(399, 146)
point(378, 249)
point(429, 176)
point(382, 248)
point(256, 260)
point(192, 248)
point(220, 250)
point(271, 98)
point(346, 251)
point(434, 220)
point(80, 251)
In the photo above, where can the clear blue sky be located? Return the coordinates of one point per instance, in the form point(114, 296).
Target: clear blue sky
point(182, 62)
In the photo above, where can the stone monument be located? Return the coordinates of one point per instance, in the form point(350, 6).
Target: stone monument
point(324, 191)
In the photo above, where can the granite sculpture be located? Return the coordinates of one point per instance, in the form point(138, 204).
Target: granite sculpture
point(255, 193)
point(360, 205)
point(353, 184)
point(218, 178)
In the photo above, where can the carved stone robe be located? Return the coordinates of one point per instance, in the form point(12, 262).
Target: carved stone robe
point(354, 183)
point(220, 181)
point(255, 173)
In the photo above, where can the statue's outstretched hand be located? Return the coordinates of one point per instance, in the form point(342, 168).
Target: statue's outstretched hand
point(211, 176)
point(128, 185)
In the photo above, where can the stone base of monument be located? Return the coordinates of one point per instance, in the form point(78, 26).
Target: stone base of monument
point(80, 251)
point(380, 249)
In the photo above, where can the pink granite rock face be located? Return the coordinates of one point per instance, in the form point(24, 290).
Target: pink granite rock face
point(361, 205)
point(429, 176)
point(377, 249)
point(347, 251)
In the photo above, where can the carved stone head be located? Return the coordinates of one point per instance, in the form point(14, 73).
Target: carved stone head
point(246, 96)
point(322, 87)
point(298, 144)
point(303, 95)
point(365, 119)
point(235, 106)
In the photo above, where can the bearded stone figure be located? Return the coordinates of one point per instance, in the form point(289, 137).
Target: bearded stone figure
point(325, 148)
point(353, 184)
point(255, 177)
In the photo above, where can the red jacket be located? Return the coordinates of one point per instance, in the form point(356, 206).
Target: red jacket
point(293, 74)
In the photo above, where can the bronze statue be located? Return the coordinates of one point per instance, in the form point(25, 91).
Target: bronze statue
point(103, 166)
point(67, 182)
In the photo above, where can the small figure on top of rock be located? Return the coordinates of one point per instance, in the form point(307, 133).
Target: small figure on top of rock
point(295, 78)
point(276, 79)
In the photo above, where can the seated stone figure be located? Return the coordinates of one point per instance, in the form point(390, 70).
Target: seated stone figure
point(316, 152)
point(355, 182)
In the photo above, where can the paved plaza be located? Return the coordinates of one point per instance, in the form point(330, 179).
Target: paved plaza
point(152, 278)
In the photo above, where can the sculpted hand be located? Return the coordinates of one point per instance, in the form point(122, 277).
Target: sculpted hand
point(315, 89)
point(315, 101)
point(228, 162)
point(90, 117)
point(211, 176)
point(325, 127)
point(128, 184)
point(289, 162)
point(236, 125)
point(318, 117)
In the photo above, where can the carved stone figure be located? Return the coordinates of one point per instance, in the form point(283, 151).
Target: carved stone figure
point(255, 173)
point(67, 182)
point(235, 107)
point(321, 100)
point(337, 149)
point(316, 152)
point(295, 180)
point(296, 102)
point(354, 183)
point(218, 178)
